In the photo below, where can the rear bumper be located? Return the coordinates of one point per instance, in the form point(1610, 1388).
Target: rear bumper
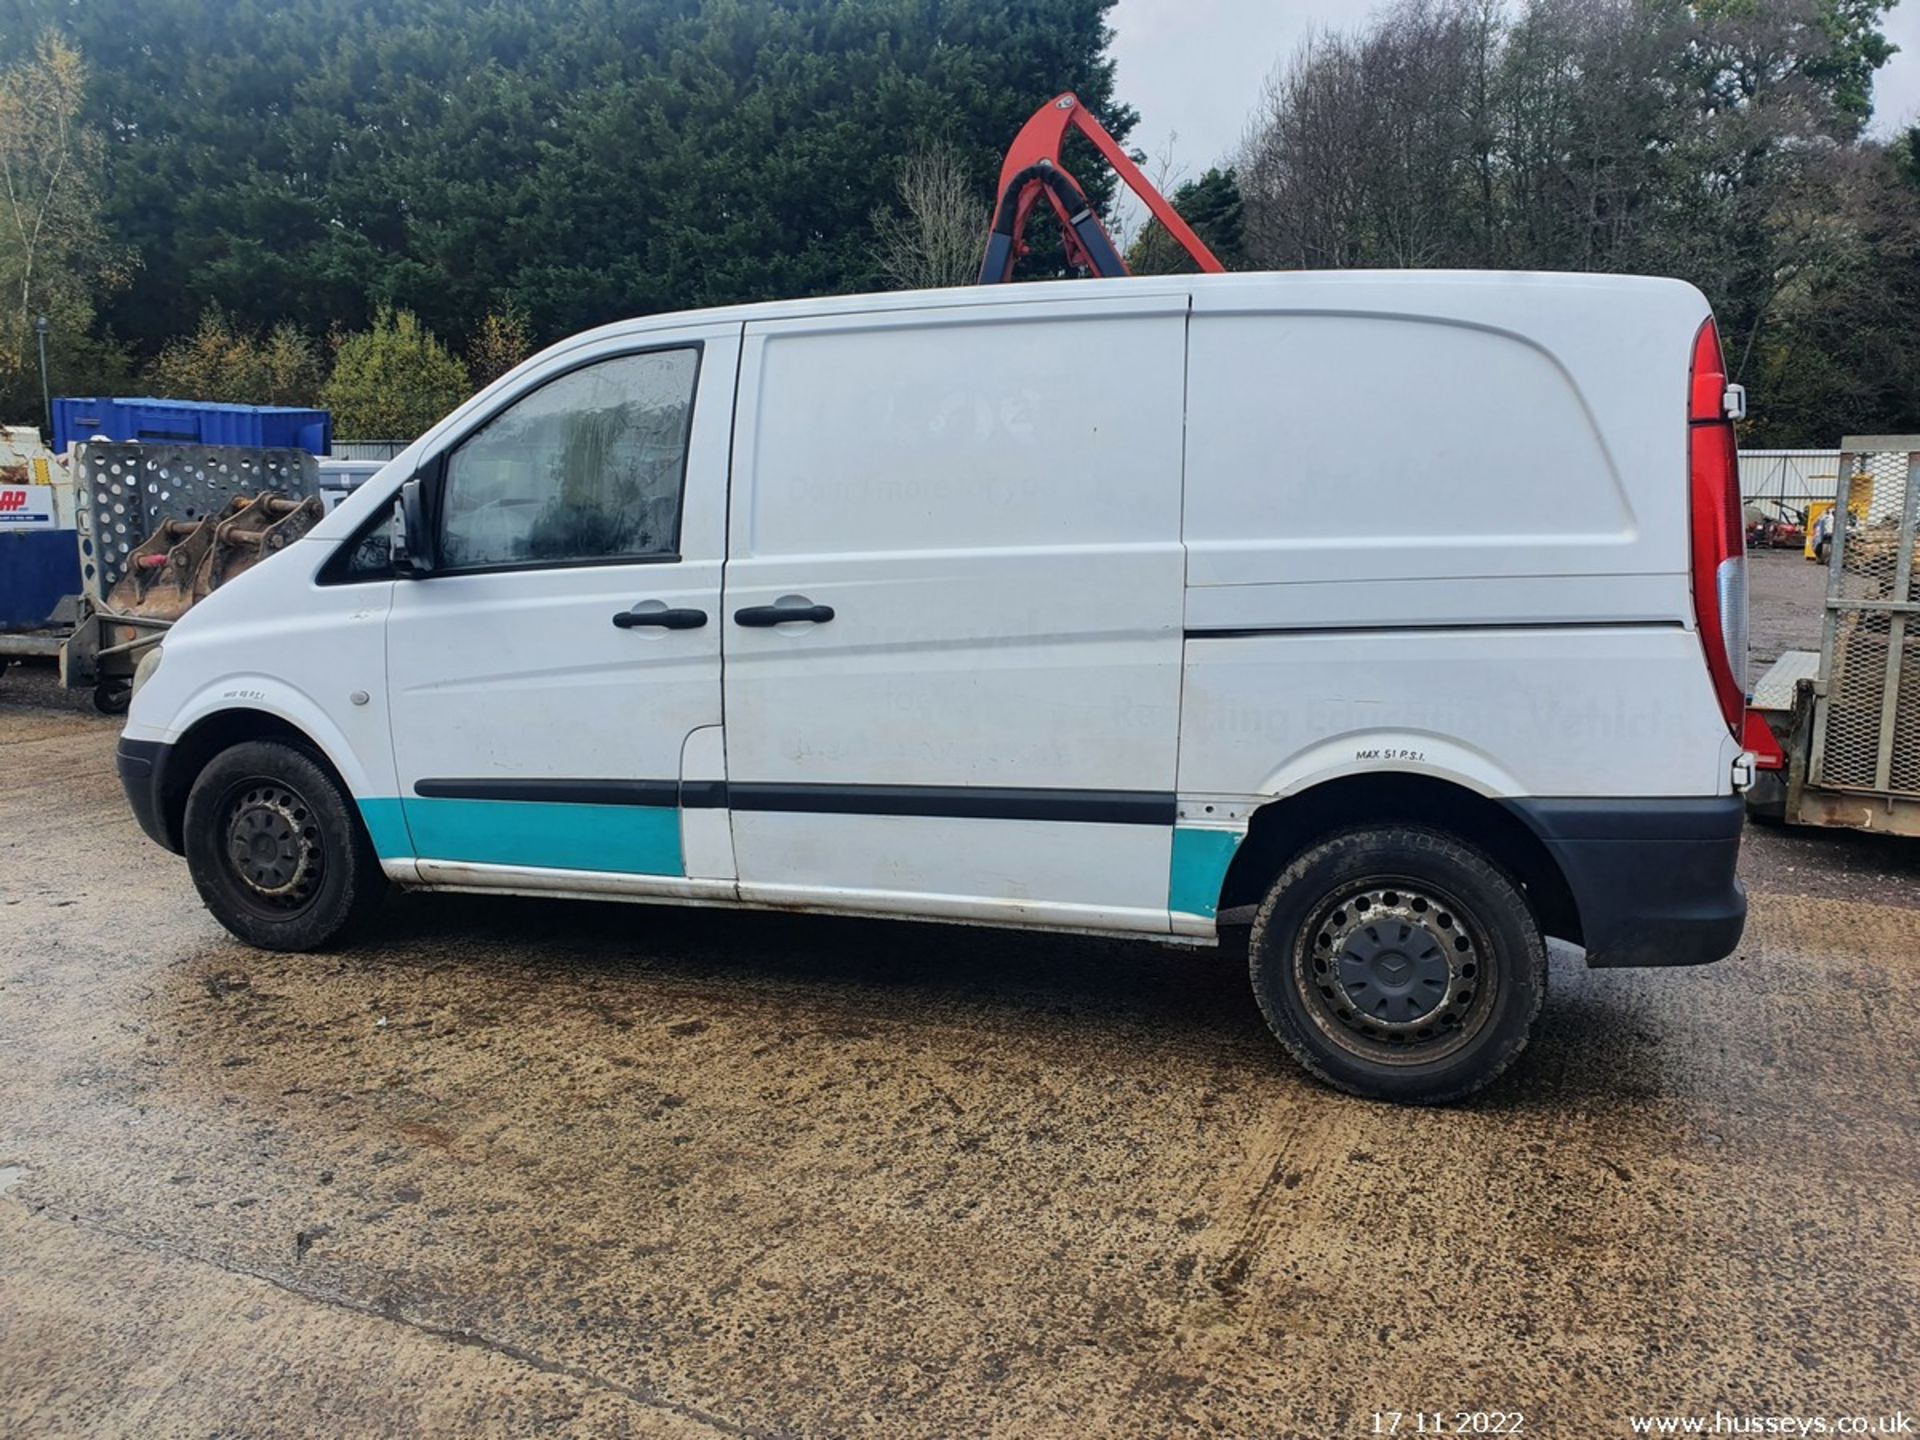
point(1653, 879)
point(143, 772)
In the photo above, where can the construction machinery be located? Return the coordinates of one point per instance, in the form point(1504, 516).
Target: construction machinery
point(1033, 171)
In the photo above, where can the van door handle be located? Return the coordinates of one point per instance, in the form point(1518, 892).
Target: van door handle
point(762, 616)
point(662, 618)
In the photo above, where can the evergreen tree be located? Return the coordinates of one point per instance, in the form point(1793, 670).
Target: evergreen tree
point(584, 159)
point(1211, 206)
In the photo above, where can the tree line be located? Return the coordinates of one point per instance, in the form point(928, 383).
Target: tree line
point(318, 162)
point(379, 204)
point(1721, 142)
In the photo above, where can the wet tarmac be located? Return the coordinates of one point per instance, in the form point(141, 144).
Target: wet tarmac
point(554, 1168)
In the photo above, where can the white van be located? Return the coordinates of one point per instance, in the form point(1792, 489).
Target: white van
point(1407, 608)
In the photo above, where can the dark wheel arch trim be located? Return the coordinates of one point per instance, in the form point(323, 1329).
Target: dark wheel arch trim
point(157, 775)
point(1285, 828)
point(302, 878)
point(1635, 880)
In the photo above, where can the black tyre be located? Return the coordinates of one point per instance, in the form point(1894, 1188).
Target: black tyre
point(1399, 964)
point(277, 849)
point(112, 697)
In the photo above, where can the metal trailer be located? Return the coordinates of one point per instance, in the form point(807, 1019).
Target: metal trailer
point(157, 526)
point(1852, 718)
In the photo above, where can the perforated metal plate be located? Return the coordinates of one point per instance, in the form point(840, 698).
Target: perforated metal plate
point(124, 492)
point(1868, 733)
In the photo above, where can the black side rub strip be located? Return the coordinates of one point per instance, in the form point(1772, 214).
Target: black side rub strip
point(1327, 632)
point(972, 802)
point(703, 794)
point(969, 802)
point(555, 792)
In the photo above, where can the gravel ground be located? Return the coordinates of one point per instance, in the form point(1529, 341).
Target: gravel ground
point(1786, 594)
point(517, 1167)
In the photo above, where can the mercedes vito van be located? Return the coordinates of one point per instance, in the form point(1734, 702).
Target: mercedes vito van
point(1402, 611)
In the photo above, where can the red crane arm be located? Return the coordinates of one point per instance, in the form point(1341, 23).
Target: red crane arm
point(1032, 169)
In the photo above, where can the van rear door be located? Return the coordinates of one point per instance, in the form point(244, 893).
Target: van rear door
point(953, 610)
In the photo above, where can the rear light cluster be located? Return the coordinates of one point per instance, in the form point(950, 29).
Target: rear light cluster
point(1720, 545)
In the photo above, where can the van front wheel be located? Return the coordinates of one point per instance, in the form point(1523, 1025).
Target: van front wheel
point(1398, 964)
point(277, 850)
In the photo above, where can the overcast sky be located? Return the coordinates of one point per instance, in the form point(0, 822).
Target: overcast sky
point(1193, 68)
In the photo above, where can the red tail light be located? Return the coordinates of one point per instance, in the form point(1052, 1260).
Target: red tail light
point(1719, 540)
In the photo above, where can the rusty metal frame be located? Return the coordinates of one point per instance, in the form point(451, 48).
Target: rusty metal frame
point(1807, 804)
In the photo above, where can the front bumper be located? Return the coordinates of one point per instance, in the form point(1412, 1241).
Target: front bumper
point(143, 772)
point(1653, 879)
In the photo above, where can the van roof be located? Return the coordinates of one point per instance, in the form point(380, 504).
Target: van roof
point(1040, 291)
point(1331, 291)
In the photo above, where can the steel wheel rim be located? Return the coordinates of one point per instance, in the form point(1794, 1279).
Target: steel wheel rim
point(272, 847)
point(1396, 971)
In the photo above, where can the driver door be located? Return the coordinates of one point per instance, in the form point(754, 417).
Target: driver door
point(551, 677)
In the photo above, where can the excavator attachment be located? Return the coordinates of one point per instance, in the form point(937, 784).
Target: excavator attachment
point(1032, 170)
point(185, 560)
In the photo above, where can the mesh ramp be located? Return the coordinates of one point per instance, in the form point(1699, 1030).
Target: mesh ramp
point(1867, 730)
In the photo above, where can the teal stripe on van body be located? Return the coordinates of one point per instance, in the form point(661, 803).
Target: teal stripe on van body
point(387, 827)
point(625, 839)
point(1200, 860)
point(637, 839)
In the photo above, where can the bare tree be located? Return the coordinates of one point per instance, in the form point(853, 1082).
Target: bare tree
point(1715, 143)
point(937, 237)
point(1568, 134)
point(1128, 220)
point(1299, 165)
point(54, 253)
point(1377, 148)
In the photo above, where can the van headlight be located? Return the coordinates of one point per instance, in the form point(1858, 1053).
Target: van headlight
point(149, 663)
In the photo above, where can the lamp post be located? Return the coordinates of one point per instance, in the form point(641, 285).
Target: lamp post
point(40, 328)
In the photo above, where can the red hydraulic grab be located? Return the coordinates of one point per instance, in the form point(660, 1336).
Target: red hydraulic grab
point(1033, 169)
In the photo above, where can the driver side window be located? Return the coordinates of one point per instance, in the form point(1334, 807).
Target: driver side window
point(586, 468)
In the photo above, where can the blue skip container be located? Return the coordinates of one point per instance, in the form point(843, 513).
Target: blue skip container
point(190, 422)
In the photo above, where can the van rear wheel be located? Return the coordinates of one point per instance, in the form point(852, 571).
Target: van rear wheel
point(1398, 964)
point(277, 849)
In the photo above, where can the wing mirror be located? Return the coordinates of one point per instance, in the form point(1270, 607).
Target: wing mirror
point(412, 532)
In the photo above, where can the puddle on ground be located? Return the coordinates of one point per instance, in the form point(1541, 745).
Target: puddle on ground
point(11, 1176)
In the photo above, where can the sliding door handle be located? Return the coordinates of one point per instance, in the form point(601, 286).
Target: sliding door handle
point(762, 616)
point(661, 618)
